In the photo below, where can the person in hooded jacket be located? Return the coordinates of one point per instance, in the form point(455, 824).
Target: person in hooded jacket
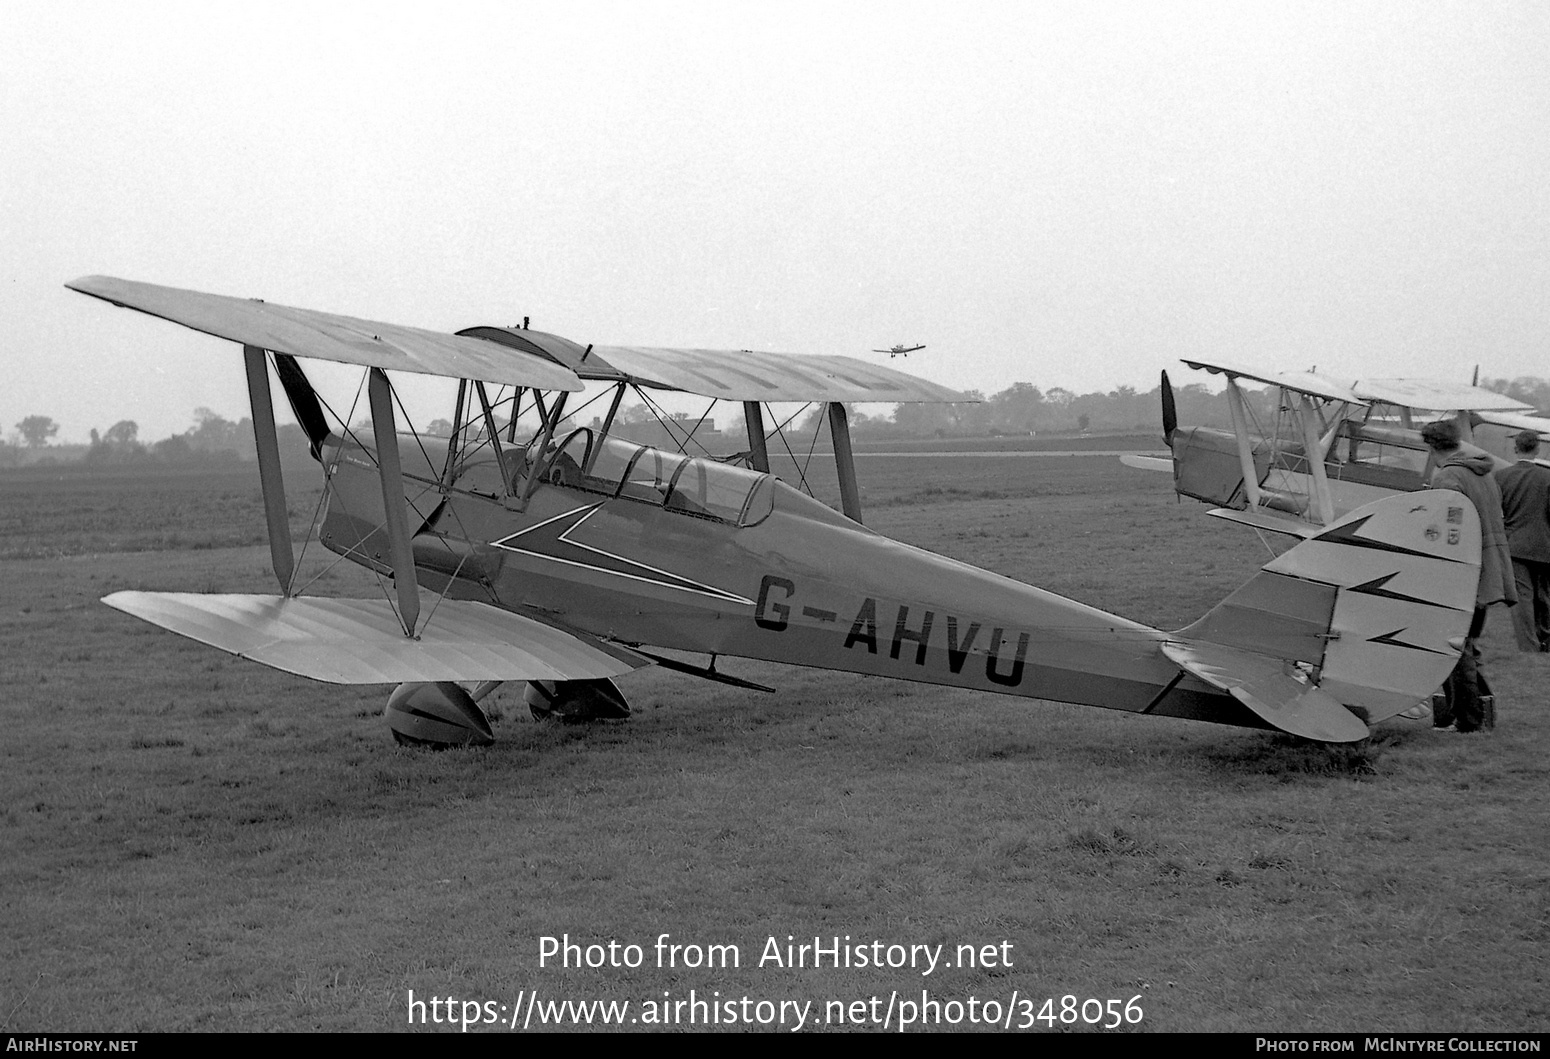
point(1470, 473)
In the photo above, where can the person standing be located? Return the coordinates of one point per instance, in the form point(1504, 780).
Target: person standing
point(1470, 474)
point(1525, 490)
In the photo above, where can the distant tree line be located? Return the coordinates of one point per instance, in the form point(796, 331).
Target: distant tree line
point(1020, 409)
point(211, 438)
point(1023, 409)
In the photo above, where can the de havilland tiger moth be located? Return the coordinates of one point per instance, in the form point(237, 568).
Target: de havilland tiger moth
point(575, 556)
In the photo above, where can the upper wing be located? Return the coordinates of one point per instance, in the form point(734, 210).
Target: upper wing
point(529, 358)
point(309, 333)
point(1435, 395)
point(359, 641)
point(1297, 381)
point(730, 374)
point(744, 375)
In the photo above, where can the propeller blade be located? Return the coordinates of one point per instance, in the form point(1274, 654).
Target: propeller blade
point(304, 400)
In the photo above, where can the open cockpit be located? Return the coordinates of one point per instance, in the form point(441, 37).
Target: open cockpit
point(690, 485)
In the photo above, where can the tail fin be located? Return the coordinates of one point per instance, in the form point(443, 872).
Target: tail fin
point(1350, 626)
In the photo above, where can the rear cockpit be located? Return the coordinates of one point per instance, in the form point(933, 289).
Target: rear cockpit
point(699, 486)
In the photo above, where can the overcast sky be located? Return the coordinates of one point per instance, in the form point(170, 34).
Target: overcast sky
point(1070, 195)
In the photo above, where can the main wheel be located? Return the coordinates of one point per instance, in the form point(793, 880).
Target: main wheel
point(436, 715)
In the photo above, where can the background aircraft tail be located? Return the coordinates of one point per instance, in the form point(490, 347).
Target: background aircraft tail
point(1352, 625)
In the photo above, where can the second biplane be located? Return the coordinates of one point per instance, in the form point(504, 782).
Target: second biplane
point(577, 556)
point(1327, 445)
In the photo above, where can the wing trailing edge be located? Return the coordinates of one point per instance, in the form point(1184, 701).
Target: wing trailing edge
point(360, 641)
point(730, 374)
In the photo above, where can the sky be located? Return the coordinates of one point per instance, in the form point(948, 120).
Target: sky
point(1072, 195)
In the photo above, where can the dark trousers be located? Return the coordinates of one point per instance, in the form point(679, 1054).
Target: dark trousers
point(1531, 617)
point(1465, 685)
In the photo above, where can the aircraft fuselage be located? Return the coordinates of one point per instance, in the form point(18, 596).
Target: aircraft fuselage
point(801, 585)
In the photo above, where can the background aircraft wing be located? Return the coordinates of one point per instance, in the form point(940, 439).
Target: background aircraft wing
point(1435, 395)
point(1268, 521)
point(731, 374)
point(359, 641)
point(1517, 421)
point(326, 336)
point(1298, 381)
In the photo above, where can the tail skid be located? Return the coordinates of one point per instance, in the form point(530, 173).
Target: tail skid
point(1352, 625)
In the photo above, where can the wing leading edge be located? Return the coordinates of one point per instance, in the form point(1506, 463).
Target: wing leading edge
point(360, 641)
point(327, 336)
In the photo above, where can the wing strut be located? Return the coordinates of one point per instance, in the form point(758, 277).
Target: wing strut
point(457, 433)
point(495, 437)
point(608, 424)
point(551, 421)
point(391, 472)
point(1313, 451)
point(269, 476)
point(758, 452)
point(1240, 427)
point(844, 461)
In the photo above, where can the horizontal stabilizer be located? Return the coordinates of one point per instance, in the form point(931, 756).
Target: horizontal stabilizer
point(359, 641)
point(1264, 520)
point(326, 336)
point(1269, 687)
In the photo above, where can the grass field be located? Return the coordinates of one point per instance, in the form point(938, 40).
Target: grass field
point(195, 842)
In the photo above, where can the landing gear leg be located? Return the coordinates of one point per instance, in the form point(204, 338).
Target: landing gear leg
point(576, 701)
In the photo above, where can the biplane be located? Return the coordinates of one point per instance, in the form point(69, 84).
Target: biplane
point(900, 350)
point(573, 557)
point(1326, 445)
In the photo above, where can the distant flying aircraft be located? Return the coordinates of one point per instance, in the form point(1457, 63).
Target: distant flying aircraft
point(901, 350)
point(1365, 434)
point(579, 556)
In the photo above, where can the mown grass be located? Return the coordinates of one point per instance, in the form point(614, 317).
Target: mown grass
point(193, 841)
point(72, 509)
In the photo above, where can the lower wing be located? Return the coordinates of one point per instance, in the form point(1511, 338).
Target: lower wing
point(360, 641)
